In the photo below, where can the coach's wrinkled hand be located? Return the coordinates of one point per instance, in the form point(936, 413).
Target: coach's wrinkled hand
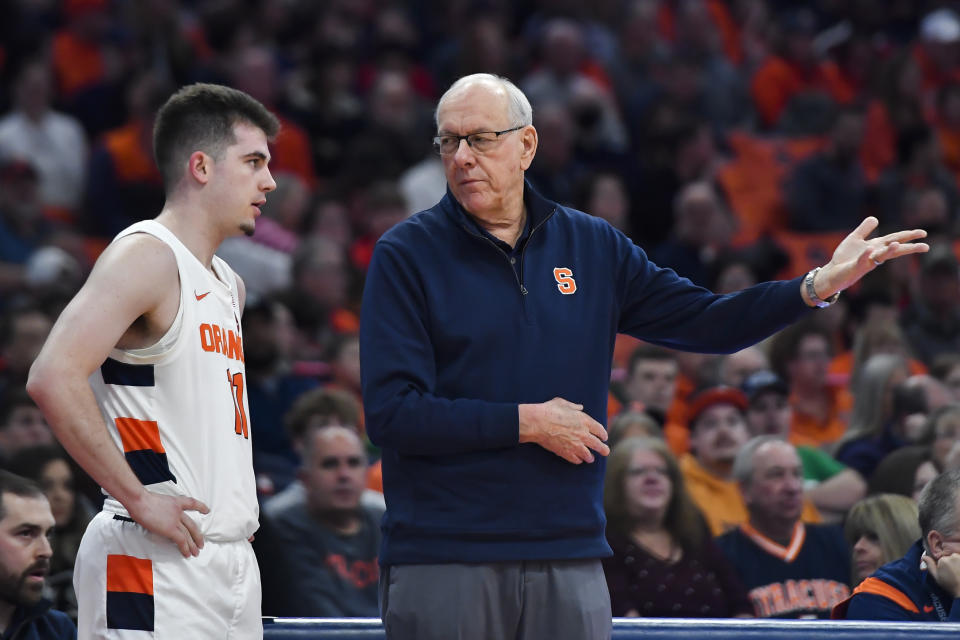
point(563, 428)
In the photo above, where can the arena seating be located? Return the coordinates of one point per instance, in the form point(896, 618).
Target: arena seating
point(652, 629)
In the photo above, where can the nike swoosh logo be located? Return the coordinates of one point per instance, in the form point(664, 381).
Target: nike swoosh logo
point(927, 608)
point(200, 296)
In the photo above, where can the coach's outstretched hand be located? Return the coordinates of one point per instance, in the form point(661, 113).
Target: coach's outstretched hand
point(859, 254)
point(562, 427)
point(166, 516)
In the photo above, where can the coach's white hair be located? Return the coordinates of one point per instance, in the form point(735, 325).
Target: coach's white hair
point(518, 107)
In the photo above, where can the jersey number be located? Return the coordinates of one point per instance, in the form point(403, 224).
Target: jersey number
point(239, 415)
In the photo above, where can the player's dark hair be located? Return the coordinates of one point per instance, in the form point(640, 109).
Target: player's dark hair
point(18, 486)
point(201, 117)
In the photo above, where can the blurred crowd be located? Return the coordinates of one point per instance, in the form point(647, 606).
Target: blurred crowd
point(734, 140)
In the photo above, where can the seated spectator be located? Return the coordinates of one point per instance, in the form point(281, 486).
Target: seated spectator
point(924, 584)
point(880, 529)
point(944, 433)
point(801, 355)
point(793, 75)
point(717, 432)
point(919, 165)
point(791, 570)
point(632, 424)
point(23, 330)
point(831, 486)
point(318, 556)
point(25, 524)
point(650, 386)
point(22, 423)
point(272, 383)
point(319, 292)
point(124, 183)
point(871, 338)
point(701, 229)
point(932, 322)
point(664, 562)
point(827, 191)
point(23, 227)
point(556, 171)
point(53, 142)
point(51, 468)
point(734, 369)
point(946, 369)
point(873, 432)
point(905, 472)
point(253, 69)
point(934, 392)
point(316, 408)
point(603, 194)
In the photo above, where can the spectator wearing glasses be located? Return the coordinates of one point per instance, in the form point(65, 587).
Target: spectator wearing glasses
point(486, 341)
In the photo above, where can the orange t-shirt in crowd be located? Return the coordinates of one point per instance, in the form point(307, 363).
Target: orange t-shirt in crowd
point(778, 80)
point(131, 161)
point(291, 152)
point(78, 64)
point(841, 368)
point(808, 430)
point(720, 500)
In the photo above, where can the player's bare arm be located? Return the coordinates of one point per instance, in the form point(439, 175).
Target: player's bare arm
point(129, 301)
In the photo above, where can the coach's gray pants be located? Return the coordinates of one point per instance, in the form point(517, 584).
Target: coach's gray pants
point(559, 600)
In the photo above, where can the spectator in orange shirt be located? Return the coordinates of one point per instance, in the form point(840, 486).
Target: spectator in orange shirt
point(718, 430)
point(870, 339)
point(124, 183)
point(794, 73)
point(651, 386)
point(801, 355)
point(254, 71)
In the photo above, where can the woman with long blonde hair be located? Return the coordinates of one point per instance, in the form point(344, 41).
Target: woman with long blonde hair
point(880, 529)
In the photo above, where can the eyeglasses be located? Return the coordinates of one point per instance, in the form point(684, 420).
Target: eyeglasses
point(480, 142)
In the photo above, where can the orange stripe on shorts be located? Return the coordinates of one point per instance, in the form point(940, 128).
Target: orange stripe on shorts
point(138, 435)
point(129, 574)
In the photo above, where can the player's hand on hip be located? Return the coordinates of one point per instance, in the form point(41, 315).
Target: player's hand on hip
point(167, 516)
point(562, 427)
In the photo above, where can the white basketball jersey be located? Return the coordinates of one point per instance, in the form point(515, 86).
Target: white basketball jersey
point(178, 409)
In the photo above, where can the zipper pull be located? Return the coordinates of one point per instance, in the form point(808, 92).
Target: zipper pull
point(523, 290)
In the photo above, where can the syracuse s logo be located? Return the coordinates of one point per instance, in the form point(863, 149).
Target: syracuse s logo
point(565, 282)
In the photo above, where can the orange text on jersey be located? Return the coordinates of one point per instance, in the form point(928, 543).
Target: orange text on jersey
point(219, 340)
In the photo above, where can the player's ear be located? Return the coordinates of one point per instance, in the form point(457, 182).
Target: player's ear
point(200, 166)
